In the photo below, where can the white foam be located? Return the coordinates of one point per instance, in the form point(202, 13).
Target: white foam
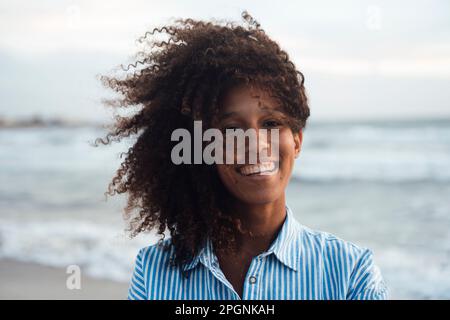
point(100, 251)
point(414, 275)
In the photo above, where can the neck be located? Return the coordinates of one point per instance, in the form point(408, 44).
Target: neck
point(263, 223)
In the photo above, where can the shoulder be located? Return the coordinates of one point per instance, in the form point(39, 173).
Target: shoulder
point(330, 245)
point(346, 263)
point(151, 263)
point(333, 250)
point(324, 245)
point(159, 252)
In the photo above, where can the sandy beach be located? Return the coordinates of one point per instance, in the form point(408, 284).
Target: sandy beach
point(393, 201)
point(19, 280)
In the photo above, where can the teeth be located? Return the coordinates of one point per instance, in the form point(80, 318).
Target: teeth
point(257, 168)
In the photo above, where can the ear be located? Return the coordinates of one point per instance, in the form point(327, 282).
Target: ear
point(298, 140)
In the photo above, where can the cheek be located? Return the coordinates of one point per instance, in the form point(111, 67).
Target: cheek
point(287, 150)
point(226, 174)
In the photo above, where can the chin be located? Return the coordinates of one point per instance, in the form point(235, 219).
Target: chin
point(258, 198)
point(254, 185)
point(257, 194)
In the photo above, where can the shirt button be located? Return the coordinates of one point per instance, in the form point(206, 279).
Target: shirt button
point(252, 279)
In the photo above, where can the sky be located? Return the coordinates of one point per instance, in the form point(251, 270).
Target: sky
point(361, 59)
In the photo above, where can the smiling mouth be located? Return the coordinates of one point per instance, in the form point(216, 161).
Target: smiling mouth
point(264, 168)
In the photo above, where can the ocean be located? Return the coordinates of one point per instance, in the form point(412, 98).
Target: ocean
point(380, 184)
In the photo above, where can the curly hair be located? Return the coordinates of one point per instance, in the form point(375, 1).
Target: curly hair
point(172, 83)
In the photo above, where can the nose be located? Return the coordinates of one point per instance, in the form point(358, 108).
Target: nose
point(257, 146)
point(268, 145)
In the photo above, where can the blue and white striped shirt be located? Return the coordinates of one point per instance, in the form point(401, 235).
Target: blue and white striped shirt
point(300, 264)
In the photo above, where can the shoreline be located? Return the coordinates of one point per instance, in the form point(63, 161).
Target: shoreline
point(27, 281)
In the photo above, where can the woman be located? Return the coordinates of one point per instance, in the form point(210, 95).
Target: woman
point(232, 234)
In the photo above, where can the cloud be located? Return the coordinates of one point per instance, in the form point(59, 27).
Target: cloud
point(51, 50)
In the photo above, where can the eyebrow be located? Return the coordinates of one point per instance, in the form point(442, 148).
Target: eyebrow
point(264, 107)
point(227, 115)
point(267, 108)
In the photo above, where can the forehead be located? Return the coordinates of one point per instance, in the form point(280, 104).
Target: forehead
point(248, 96)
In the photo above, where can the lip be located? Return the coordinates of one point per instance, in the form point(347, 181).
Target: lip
point(263, 170)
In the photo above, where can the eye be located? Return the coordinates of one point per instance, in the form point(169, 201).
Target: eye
point(230, 126)
point(271, 123)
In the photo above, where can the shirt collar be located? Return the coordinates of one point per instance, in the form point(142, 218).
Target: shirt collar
point(286, 247)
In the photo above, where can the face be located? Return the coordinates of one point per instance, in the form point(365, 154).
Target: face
point(264, 182)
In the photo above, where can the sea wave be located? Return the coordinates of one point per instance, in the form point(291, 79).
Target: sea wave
point(101, 251)
point(104, 252)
